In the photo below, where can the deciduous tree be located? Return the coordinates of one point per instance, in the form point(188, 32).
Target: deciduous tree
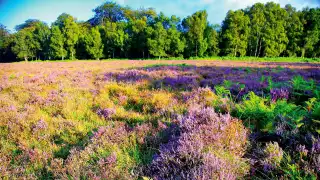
point(195, 26)
point(235, 33)
point(157, 43)
point(57, 40)
point(93, 43)
point(71, 32)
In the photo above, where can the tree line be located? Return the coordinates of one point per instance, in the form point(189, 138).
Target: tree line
point(262, 30)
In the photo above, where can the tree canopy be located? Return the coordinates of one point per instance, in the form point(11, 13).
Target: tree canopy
point(116, 31)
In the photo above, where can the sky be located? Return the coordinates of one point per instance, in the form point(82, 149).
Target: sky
point(14, 12)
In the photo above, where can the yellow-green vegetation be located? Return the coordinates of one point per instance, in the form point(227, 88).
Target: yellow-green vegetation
point(163, 121)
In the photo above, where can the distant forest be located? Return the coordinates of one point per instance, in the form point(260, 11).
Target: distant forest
point(262, 30)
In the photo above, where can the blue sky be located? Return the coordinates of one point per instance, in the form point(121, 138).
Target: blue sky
point(14, 12)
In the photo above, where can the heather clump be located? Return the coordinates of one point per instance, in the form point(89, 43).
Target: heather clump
point(195, 152)
point(105, 156)
point(202, 96)
point(273, 155)
point(106, 113)
point(279, 94)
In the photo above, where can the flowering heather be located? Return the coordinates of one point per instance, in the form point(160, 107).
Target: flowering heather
point(106, 113)
point(279, 94)
point(181, 82)
point(129, 76)
point(316, 146)
point(99, 120)
point(201, 96)
point(186, 155)
point(273, 155)
point(40, 125)
point(302, 150)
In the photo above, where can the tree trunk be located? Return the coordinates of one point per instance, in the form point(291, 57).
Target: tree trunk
point(159, 57)
point(255, 53)
point(112, 54)
point(26, 58)
point(62, 58)
point(259, 48)
point(303, 51)
point(196, 49)
point(235, 51)
point(143, 54)
point(71, 55)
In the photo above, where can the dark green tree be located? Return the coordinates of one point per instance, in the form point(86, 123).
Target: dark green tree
point(157, 41)
point(176, 42)
point(108, 12)
point(61, 20)
point(195, 26)
point(93, 43)
point(4, 35)
point(274, 35)
point(213, 41)
point(257, 27)
point(25, 46)
point(30, 23)
point(57, 41)
point(294, 28)
point(71, 33)
point(42, 35)
point(311, 32)
point(114, 38)
point(235, 33)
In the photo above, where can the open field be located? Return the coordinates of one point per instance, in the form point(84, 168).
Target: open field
point(170, 119)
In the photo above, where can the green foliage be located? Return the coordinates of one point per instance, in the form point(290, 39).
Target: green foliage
point(213, 42)
point(311, 32)
point(262, 114)
point(70, 30)
point(109, 11)
point(274, 36)
point(176, 42)
point(25, 45)
point(57, 43)
point(93, 43)
point(157, 42)
point(196, 25)
point(235, 32)
point(42, 35)
point(256, 112)
point(294, 27)
point(262, 30)
point(114, 38)
point(300, 85)
point(295, 171)
point(257, 22)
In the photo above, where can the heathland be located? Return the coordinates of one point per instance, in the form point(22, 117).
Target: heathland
point(179, 119)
